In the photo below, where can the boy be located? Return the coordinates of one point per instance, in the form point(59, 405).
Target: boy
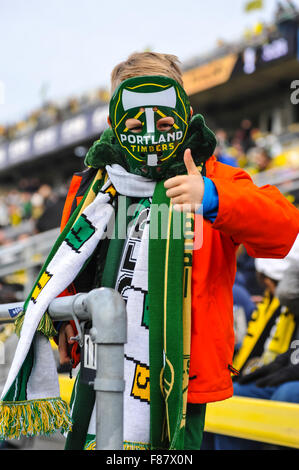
point(179, 299)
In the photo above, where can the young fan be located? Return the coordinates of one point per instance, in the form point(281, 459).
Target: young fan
point(177, 218)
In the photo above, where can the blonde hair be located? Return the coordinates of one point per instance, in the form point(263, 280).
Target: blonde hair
point(146, 63)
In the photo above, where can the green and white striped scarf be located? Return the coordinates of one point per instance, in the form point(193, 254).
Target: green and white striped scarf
point(31, 405)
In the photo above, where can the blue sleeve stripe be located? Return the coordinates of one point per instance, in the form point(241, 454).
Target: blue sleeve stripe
point(210, 201)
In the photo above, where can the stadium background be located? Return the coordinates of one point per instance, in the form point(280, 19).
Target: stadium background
point(246, 90)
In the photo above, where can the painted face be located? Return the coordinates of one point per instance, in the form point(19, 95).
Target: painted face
point(150, 117)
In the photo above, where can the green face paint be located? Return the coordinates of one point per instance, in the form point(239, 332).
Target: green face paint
point(148, 100)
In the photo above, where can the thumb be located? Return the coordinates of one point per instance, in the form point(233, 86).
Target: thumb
point(189, 163)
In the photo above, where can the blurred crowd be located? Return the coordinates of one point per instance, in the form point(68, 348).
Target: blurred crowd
point(255, 151)
point(51, 113)
point(31, 208)
point(22, 209)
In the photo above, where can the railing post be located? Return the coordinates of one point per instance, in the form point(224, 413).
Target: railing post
point(109, 332)
point(107, 310)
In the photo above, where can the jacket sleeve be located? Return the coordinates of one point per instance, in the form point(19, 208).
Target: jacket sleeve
point(260, 218)
point(210, 200)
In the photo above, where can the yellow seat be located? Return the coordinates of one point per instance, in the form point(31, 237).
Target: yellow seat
point(267, 421)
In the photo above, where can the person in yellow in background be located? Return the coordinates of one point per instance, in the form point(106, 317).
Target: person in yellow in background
point(272, 325)
point(267, 359)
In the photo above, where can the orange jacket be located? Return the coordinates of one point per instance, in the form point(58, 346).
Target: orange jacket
point(267, 225)
point(261, 219)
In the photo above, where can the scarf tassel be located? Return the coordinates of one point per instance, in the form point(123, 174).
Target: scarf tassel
point(45, 325)
point(34, 417)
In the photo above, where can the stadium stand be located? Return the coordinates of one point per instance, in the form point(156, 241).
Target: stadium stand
point(247, 91)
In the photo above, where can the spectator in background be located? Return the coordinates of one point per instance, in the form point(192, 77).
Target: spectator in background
point(256, 349)
point(221, 152)
point(26, 205)
point(4, 216)
point(243, 299)
point(243, 307)
point(285, 368)
point(29, 208)
point(273, 375)
point(37, 205)
point(246, 274)
point(53, 203)
point(278, 380)
point(237, 152)
point(244, 136)
point(15, 214)
point(42, 199)
point(262, 160)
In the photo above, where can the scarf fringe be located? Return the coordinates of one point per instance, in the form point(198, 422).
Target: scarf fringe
point(136, 446)
point(45, 326)
point(90, 445)
point(34, 417)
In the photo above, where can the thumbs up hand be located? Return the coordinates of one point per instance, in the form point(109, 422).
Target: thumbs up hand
point(186, 191)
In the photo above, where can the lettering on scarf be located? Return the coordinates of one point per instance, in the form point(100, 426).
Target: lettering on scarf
point(141, 383)
point(44, 279)
point(80, 233)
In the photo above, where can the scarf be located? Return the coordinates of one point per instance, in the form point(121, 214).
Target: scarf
point(269, 333)
point(31, 404)
point(131, 282)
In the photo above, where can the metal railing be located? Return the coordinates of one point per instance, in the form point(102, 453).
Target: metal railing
point(106, 309)
point(247, 418)
point(286, 179)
